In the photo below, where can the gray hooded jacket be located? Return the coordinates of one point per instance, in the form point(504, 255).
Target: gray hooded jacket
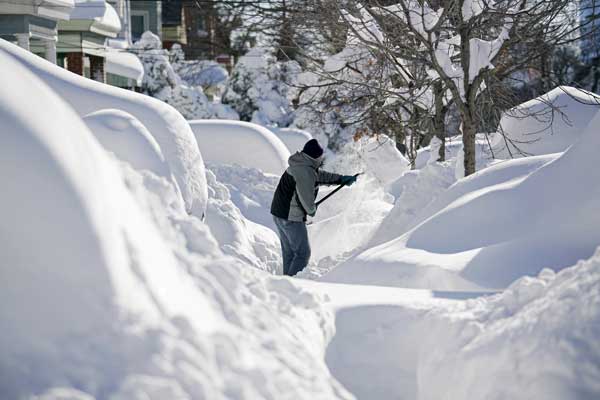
point(297, 189)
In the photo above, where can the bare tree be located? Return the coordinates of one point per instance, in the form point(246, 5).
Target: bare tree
point(455, 52)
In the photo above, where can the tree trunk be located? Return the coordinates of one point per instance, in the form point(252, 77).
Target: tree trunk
point(439, 118)
point(469, 131)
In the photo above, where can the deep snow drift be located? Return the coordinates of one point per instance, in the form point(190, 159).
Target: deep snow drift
point(514, 221)
point(168, 127)
point(547, 124)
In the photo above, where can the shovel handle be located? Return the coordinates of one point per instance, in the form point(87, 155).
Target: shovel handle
point(334, 191)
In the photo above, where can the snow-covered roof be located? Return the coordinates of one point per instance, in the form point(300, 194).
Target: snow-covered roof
point(104, 17)
point(122, 63)
point(55, 9)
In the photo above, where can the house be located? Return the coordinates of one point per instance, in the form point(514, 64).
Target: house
point(207, 38)
point(82, 39)
point(200, 25)
point(145, 16)
point(32, 24)
point(173, 23)
point(92, 44)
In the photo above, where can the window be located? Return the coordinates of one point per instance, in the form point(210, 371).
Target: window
point(139, 23)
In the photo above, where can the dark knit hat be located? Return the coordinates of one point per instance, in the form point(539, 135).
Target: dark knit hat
point(313, 149)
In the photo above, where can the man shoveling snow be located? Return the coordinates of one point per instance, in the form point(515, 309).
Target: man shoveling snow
point(294, 199)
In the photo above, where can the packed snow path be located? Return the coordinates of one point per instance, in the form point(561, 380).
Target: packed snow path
point(377, 341)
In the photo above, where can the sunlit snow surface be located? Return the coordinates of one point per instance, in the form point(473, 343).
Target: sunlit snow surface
point(110, 289)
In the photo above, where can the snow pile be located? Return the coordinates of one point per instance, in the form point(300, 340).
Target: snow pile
point(237, 236)
point(345, 222)
point(250, 190)
point(109, 288)
point(243, 143)
point(414, 191)
point(293, 138)
point(166, 125)
point(536, 340)
point(127, 138)
point(547, 124)
point(97, 261)
point(381, 158)
point(512, 222)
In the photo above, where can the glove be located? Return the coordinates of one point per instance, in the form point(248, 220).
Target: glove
point(348, 180)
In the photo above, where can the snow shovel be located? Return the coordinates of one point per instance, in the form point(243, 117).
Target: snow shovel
point(334, 191)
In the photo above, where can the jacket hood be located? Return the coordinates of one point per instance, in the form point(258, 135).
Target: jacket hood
point(301, 159)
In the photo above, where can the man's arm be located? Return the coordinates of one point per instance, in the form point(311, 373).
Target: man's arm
point(305, 188)
point(328, 178)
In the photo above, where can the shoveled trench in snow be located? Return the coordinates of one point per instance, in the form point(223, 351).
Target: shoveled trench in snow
point(379, 330)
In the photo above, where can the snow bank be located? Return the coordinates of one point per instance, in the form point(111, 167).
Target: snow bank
point(536, 340)
point(168, 127)
point(548, 124)
point(243, 143)
point(293, 138)
point(511, 222)
point(78, 258)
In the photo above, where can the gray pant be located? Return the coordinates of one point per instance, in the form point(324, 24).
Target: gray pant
point(295, 248)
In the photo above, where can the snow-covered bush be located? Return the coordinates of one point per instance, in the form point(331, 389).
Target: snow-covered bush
point(207, 74)
point(162, 81)
point(259, 88)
